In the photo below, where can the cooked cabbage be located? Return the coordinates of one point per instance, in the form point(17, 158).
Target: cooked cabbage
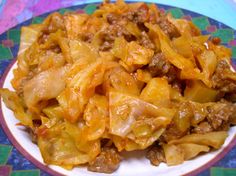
point(126, 77)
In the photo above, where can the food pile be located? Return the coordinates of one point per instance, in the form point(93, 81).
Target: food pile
point(125, 78)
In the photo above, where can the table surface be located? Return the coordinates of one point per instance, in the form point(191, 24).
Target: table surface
point(13, 12)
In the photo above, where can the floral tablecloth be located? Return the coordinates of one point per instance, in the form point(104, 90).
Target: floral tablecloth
point(13, 12)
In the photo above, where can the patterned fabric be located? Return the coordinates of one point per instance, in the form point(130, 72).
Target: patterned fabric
point(12, 163)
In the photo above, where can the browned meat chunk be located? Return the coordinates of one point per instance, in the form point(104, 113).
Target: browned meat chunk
point(220, 113)
point(116, 29)
point(140, 15)
point(172, 76)
point(224, 79)
point(145, 41)
point(156, 155)
point(203, 127)
point(231, 97)
point(88, 37)
point(159, 65)
point(167, 27)
point(108, 37)
point(176, 84)
point(106, 162)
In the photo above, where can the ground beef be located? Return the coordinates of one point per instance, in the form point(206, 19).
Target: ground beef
point(140, 15)
point(219, 114)
point(87, 37)
point(113, 18)
point(202, 128)
point(177, 83)
point(156, 155)
point(160, 66)
point(231, 97)
point(145, 41)
point(222, 79)
point(215, 117)
point(108, 37)
point(106, 162)
point(172, 76)
point(167, 27)
point(116, 29)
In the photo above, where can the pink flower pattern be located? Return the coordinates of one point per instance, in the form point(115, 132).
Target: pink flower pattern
point(13, 12)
